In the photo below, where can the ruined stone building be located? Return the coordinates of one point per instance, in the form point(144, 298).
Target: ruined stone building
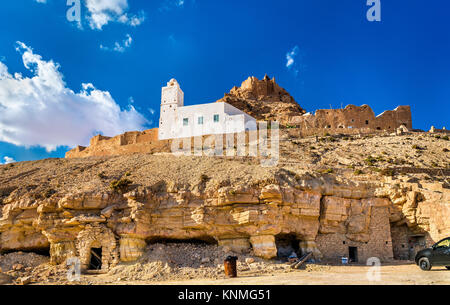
point(355, 117)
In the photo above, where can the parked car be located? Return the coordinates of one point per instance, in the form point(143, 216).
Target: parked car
point(437, 255)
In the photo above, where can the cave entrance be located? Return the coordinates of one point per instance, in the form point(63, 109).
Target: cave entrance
point(206, 240)
point(39, 251)
point(286, 245)
point(415, 244)
point(353, 254)
point(96, 259)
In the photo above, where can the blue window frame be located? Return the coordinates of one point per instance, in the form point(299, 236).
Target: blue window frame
point(216, 118)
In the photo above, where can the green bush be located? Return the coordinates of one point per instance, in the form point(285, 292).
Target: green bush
point(358, 172)
point(387, 172)
point(417, 147)
point(48, 193)
point(370, 161)
point(120, 185)
point(204, 178)
point(328, 171)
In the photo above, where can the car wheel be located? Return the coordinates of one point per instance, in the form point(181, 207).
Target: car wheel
point(448, 267)
point(424, 264)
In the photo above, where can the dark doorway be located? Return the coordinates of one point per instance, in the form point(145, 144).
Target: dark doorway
point(415, 244)
point(353, 254)
point(96, 259)
point(286, 245)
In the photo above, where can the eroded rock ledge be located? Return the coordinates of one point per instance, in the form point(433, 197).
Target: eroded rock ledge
point(323, 217)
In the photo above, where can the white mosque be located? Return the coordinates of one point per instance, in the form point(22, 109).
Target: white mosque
point(179, 121)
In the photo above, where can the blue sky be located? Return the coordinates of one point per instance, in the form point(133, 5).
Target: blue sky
point(128, 49)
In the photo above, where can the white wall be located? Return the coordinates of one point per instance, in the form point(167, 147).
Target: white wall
point(231, 119)
point(228, 123)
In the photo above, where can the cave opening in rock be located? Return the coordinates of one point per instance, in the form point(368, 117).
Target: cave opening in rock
point(96, 259)
point(415, 243)
point(39, 251)
point(405, 242)
point(287, 244)
point(353, 254)
point(206, 240)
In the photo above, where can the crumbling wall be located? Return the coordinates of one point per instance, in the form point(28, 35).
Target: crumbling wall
point(354, 117)
point(124, 144)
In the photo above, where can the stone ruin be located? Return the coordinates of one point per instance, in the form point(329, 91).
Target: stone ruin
point(354, 117)
point(127, 143)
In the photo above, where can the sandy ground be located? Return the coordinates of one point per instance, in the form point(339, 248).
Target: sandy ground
point(178, 265)
point(408, 274)
point(397, 274)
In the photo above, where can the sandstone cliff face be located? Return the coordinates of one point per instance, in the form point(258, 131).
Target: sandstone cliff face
point(68, 206)
point(321, 213)
point(264, 100)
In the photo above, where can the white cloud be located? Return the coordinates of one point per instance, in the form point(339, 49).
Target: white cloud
point(120, 47)
point(8, 160)
point(167, 5)
point(41, 1)
point(102, 12)
point(41, 110)
point(291, 58)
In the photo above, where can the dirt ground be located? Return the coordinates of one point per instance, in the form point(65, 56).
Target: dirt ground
point(396, 274)
point(190, 264)
point(407, 274)
point(416, 155)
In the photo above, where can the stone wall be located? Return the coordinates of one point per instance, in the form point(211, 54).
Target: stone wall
point(124, 144)
point(97, 236)
point(406, 243)
point(363, 224)
point(354, 117)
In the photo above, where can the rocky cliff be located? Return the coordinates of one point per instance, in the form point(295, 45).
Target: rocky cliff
point(121, 204)
point(264, 100)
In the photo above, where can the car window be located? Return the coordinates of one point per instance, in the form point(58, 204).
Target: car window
point(444, 243)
